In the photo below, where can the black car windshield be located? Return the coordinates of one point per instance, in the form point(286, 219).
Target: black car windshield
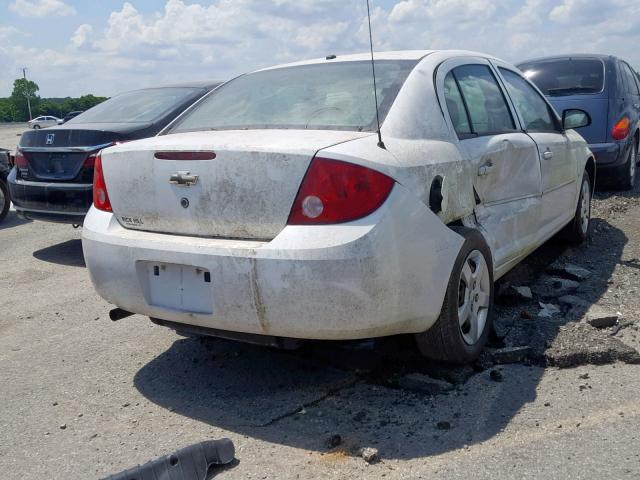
point(328, 96)
point(568, 76)
point(138, 106)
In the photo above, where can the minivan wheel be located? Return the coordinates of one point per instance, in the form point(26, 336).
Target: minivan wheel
point(463, 327)
point(577, 231)
point(628, 170)
point(4, 200)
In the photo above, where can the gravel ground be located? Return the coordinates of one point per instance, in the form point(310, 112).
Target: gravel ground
point(10, 134)
point(84, 397)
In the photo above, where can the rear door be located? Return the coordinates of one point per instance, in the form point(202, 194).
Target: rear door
point(507, 175)
point(558, 166)
point(631, 95)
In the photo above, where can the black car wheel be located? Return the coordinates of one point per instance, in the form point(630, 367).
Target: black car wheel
point(36, 127)
point(4, 200)
point(577, 231)
point(463, 327)
point(628, 170)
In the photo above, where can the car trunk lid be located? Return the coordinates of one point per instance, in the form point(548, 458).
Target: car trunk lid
point(246, 191)
point(58, 154)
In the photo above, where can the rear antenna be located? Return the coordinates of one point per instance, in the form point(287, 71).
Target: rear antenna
point(375, 87)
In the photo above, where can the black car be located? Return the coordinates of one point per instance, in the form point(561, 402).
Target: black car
point(71, 115)
point(5, 200)
point(609, 90)
point(53, 175)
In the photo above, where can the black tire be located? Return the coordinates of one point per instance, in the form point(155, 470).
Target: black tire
point(627, 172)
point(445, 340)
point(5, 201)
point(36, 127)
point(577, 230)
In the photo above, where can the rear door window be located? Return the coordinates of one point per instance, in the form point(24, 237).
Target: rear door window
point(485, 105)
point(456, 107)
point(631, 80)
point(534, 110)
point(566, 76)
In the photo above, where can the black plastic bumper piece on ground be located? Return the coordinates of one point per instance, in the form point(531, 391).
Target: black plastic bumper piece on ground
point(190, 463)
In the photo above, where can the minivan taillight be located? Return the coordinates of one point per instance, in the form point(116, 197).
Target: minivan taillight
point(621, 129)
point(100, 195)
point(333, 191)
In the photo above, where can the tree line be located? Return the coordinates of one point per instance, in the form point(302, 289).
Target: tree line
point(14, 108)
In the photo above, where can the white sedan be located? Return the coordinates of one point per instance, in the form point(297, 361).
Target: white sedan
point(44, 121)
point(271, 210)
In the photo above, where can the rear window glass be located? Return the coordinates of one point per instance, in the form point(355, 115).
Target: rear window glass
point(137, 106)
point(566, 76)
point(332, 96)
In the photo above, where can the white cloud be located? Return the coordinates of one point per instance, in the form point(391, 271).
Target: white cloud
point(79, 37)
point(42, 8)
point(189, 40)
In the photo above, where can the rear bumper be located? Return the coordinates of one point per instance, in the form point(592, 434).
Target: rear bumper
point(608, 155)
point(55, 202)
point(382, 275)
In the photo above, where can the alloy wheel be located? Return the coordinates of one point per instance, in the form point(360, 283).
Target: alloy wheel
point(474, 291)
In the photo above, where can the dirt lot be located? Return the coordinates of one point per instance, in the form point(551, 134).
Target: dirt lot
point(83, 397)
point(10, 134)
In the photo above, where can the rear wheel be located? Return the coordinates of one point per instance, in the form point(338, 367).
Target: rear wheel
point(463, 327)
point(36, 127)
point(577, 231)
point(4, 200)
point(628, 171)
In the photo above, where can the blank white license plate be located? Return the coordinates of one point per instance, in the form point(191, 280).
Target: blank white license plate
point(178, 287)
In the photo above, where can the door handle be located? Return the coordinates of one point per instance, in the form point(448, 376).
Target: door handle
point(485, 169)
point(548, 155)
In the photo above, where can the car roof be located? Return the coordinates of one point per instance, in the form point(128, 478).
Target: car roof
point(415, 55)
point(206, 84)
point(568, 56)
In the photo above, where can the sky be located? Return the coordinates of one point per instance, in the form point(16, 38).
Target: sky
point(77, 47)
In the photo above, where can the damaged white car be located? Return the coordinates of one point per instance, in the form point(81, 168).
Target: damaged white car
point(271, 210)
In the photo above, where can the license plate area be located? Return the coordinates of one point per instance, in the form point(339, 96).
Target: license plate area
point(183, 288)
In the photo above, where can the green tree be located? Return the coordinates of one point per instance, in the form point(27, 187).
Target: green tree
point(21, 90)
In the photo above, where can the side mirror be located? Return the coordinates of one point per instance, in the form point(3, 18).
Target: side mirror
point(574, 118)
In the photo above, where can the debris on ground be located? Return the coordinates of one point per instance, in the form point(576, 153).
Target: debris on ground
point(418, 382)
point(569, 270)
point(548, 310)
point(509, 354)
point(512, 295)
point(333, 441)
point(600, 317)
point(496, 375)
point(580, 344)
point(369, 454)
point(443, 425)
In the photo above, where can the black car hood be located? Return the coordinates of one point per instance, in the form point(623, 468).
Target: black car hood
point(87, 134)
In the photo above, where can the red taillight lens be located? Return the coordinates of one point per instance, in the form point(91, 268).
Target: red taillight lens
point(334, 192)
point(90, 161)
point(100, 195)
point(21, 160)
point(621, 129)
point(200, 155)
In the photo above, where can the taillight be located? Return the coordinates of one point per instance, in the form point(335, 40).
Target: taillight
point(334, 192)
point(100, 195)
point(21, 160)
point(90, 161)
point(621, 129)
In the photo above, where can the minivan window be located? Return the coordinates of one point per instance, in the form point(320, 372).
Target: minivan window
point(535, 112)
point(630, 77)
point(327, 96)
point(566, 76)
point(138, 106)
point(488, 110)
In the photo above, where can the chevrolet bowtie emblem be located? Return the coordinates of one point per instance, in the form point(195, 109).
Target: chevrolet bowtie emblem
point(183, 178)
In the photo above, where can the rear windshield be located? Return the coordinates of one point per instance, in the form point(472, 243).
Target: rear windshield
point(566, 76)
point(137, 106)
point(333, 96)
